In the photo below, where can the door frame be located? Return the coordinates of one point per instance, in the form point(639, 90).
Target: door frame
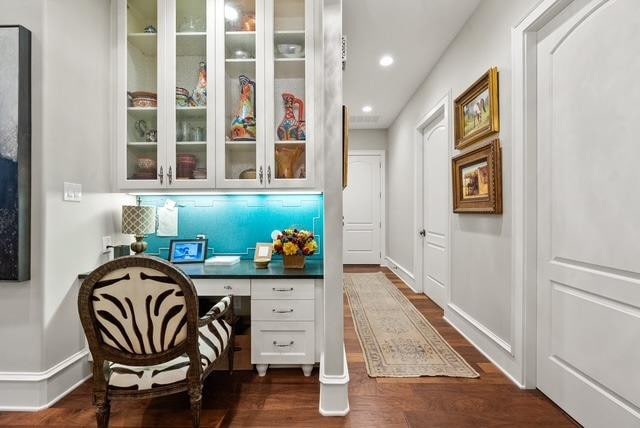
point(441, 108)
point(383, 196)
point(524, 184)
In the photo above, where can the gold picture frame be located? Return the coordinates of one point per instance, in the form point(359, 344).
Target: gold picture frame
point(263, 254)
point(477, 111)
point(477, 180)
point(345, 146)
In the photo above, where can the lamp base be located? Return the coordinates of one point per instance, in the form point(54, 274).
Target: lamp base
point(139, 246)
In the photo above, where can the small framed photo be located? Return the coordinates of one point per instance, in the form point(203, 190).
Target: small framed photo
point(263, 254)
point(477, 180)
point(476, 111)
point(188, 250)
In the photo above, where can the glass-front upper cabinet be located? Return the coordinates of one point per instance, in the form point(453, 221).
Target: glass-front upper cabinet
point(139, 129)
point(240, 94)
point(191, 117)
point(289, 51)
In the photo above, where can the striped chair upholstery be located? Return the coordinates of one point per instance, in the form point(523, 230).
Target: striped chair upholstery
point(140, 316)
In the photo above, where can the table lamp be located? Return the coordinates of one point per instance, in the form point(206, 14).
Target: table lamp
point(139, 221)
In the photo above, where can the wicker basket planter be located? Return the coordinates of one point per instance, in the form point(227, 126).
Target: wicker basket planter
point(293, 262)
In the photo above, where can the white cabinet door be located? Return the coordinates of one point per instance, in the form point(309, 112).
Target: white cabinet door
point(589, 212)
point(362, 210)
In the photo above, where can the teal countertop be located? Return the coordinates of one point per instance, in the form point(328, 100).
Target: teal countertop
point(313, 269)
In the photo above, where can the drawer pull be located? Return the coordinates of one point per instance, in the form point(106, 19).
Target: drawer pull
point(282, 311)
point(228, 287)
point(283, 290)
point(279, 345)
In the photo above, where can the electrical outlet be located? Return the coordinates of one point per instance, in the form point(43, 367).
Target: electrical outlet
point(106, 243)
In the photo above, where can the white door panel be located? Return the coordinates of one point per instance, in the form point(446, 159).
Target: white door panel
point(589, 212)
point(436, 167)
point(362, 210)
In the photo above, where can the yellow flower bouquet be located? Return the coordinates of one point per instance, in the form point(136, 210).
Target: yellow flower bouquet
point(294, 245)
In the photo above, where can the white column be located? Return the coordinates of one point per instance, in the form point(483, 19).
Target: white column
point(334, 374)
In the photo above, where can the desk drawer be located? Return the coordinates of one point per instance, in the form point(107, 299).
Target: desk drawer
point(277, 289)
point(282, 342)
point(282, 310)
point(222, 287)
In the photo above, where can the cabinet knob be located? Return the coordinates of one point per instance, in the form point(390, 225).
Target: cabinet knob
point(228, 287)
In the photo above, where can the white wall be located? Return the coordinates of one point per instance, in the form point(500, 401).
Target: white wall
point(481, 244)
point(367, 139)
point(39, 324)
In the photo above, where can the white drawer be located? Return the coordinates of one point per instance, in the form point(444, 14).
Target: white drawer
point(282, 289)
point(282, 342)
point(223, 287)
point(282, 310)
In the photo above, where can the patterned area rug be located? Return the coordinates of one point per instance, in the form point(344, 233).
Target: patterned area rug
point(396, 339)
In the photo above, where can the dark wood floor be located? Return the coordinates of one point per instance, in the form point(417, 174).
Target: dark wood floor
point(285, 398)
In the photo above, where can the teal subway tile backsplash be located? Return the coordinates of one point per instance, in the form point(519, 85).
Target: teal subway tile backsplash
point(234, 223)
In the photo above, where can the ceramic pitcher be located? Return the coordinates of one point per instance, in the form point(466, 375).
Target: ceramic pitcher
point(243, 126)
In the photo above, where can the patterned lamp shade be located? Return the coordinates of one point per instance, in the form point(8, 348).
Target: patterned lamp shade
point(138, 220)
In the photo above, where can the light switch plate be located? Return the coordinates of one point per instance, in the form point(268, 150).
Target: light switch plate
point(106, 243)
point(72, 192)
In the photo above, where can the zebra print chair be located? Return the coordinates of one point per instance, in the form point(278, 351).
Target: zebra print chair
point(140, 316)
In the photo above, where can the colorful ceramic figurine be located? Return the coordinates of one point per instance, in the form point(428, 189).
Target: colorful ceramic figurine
point(302, 133)
point(291, 128)
point(200, 92)
point(243, 126)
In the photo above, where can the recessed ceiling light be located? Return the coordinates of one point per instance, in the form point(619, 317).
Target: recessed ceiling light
point(367, 109)
point(386, 60)
point(230, 13)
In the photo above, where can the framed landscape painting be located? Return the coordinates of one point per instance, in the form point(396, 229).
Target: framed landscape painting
point(477, 180)
point(477, 114)
point(15, 153)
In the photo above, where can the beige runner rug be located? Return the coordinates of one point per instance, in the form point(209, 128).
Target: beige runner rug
point(396, 338)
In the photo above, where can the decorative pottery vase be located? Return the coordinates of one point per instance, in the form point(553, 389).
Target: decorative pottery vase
point(243, 126)
point(288, 128)
point(293, 262)
point(200, 92)
point(302, 133)
point(286, 159)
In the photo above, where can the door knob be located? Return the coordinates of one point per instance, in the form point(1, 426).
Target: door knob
point(422, 233)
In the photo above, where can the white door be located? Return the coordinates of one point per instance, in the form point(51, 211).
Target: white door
point(589, 212)
point(362, 210)
point(435, 210)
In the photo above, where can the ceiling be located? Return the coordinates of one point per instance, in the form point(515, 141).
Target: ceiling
point(414, 32)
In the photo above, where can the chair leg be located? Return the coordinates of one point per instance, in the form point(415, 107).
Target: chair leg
point(195, 398)
point(231, 346)
point(103, 409)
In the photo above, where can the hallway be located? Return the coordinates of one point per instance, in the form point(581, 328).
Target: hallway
point(286, 398)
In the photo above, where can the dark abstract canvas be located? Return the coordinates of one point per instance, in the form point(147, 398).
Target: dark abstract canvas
point(15, 152)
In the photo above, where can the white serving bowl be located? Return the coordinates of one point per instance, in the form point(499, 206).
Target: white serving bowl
point(290, 50)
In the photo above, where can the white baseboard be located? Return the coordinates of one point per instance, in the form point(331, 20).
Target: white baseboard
point(33, 391)
point(402, 273)
point(484, 340)
point(334, 390)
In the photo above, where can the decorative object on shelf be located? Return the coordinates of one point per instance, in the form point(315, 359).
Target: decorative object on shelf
point(199, 95)
point(286, 160)
point(198, 134)
point(182, 97)
point(295, 245)
point(262, 256)
point(243, 126)
point(345, 146)
point(149, 135)
point(191, 24)
point(289, 128)
point(477, 112)
point(290, 50)
point(249, 22)
point(477, 180)
point(241, 54)
point(143, 99)
point(15, 153)
point(150, 29)
point(186, 165)
point(146, 164)
point(138, 220)
point(248, 174)
point(184, 131)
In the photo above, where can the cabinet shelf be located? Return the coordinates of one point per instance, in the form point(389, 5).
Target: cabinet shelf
point(191, 143)
point(147, 43)
point(142, 144)
point(191, 44)
point(290, 142)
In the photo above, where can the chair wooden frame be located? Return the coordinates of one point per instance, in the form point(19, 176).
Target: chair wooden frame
point(103, 353)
